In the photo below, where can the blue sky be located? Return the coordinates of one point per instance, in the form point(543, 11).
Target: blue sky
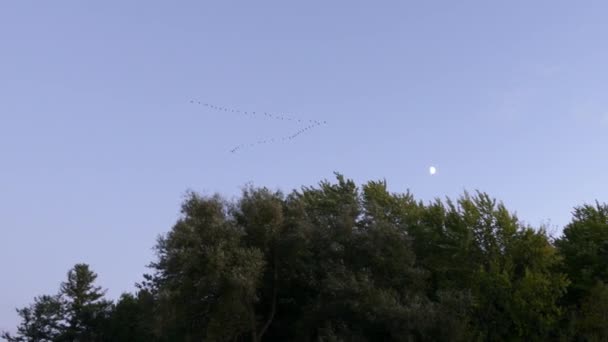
point(98, 140)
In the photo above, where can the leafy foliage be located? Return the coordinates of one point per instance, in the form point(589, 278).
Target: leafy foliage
point(77, 313)
point(338, 262)
point(584, 246)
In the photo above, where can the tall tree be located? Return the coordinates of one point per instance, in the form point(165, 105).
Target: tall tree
point(132, 319)
point(338, 262)
point(477, 249)
point(206, 280)
point(77, 313)
point(42, 321)
point(86, 309)
point(584, 247)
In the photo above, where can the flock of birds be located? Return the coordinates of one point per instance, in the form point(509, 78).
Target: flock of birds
point(310, 124)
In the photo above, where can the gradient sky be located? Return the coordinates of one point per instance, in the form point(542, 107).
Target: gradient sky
point(98, 140)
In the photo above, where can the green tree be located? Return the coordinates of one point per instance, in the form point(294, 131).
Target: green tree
point(86, 310)
point(78, 313)
point(584, 247)
point(132, 318)
point(478, 250)
point(361, 282)
point(264, 219)
point(593, 314)
point(338, 262)
point(42, 321)
point(206, 280)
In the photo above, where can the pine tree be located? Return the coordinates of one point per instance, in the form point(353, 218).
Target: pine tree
point(85, 307)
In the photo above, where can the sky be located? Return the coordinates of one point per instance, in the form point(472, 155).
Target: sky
point(99, 141)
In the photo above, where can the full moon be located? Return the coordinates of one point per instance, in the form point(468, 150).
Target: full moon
point(432, 170)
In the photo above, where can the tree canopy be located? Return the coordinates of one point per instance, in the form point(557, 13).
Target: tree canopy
point(341, 262)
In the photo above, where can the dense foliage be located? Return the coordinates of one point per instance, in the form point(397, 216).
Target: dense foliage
point(339, 262)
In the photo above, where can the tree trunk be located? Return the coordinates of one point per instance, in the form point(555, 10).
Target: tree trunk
point(273, 308)
point(254, 334)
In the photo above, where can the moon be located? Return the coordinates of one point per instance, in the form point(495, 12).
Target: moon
point(432, 170)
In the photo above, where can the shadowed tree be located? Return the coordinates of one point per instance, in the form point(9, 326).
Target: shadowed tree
point(338, 262)
point(42, 321)
point(584, 247)
point(86, 310)
point(206, 280)
point(503, 271)
point(132, 318)
point(78, 313)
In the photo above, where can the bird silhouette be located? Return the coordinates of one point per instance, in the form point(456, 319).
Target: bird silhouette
point(280, 116)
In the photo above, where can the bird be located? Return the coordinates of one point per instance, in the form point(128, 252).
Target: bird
point(281, 116)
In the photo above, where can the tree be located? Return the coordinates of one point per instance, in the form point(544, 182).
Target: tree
point(339, 262)
point(77, 313)
point(359, 275)
point(206, 280)
point(593, 314)
point(42, 321)
point(262, 216)
point(86, 310)
point(478, 250)
point(584, 248)
point(132, 318)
